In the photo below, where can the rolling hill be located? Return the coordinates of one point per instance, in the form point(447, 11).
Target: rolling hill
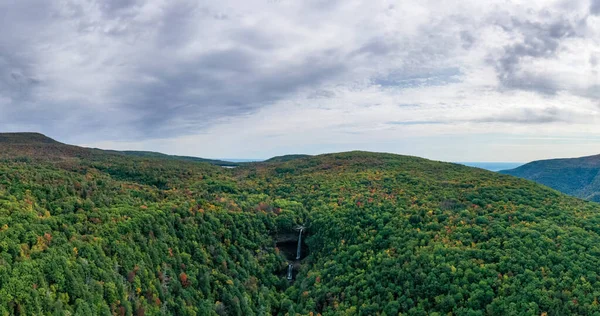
point(25, 138)
point(579, 177)
point(151, 154)
point(35, 145)
point(99, 233)
point(285, 158)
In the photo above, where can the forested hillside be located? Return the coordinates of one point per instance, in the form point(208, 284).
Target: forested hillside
point(150, 154)
point(579, 177)
point(88, 232)
point(287, 158)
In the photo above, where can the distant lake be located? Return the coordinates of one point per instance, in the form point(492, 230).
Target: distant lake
point(493, 166)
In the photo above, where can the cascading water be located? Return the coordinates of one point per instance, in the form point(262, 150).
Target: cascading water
point(299, 251)
point(290, 275)
point(286, 245)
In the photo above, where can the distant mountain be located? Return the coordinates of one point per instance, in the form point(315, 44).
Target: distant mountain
point(38, 146)
point(574, 176)
point(285, 158)
point(35, 146)
point(241, 159)
point(151, 154)
point(492, 166)
point(25, 138)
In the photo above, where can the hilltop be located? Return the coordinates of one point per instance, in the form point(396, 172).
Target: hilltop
point(35, 146)
point(383, 234)
point(285, 158)
point(39, 146)
point(579, 177)
point(151, 154)
point(25, 138)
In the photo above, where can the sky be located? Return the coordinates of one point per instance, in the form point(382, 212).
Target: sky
point(476, 80)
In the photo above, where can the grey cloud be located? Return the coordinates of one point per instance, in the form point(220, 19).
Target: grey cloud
point(519, 116)
point(408, 123)
point(594, 60)
point(322, 94)
point(219, 85)
point(416, 76)
point(176, 25)
point(593, 91)
point(181, 67)
point(17, 80)
point(540, 40)
point(160, 93)
point(468, 39)
point(376, 47)
point(595, 7)
point(528, 116)
point(132, 70)
point(254, 40)
point(112, 6)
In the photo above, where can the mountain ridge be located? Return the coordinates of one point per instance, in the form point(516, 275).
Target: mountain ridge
point(284, 158)
point(36, 145)
point(26, 138)
point(579, 177)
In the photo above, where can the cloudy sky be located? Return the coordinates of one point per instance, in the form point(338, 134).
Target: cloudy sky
point(449, 80)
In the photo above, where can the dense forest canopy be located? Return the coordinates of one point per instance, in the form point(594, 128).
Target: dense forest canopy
point(89, 232)
point(579, 177)
point(285, 158)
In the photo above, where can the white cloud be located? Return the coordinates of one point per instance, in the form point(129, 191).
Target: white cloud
point(258, 78)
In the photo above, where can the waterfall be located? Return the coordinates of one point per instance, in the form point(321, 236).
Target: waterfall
point(299, 252)
point(290, 271)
